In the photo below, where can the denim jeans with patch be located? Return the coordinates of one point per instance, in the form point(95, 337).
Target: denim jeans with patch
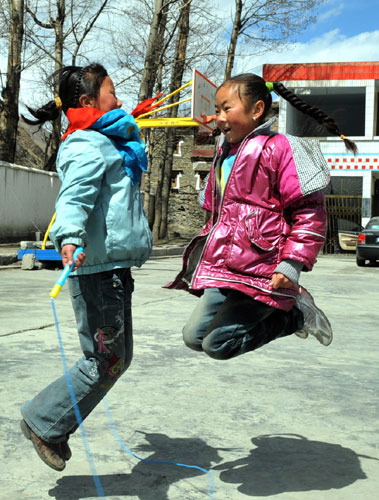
point(227, 323)
point(102, 305)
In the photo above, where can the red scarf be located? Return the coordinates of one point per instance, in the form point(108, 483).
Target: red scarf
point(81, 119)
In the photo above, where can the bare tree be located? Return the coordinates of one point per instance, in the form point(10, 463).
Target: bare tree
point(152, 79)
point(10, 93)
point(146, 59)
point(58, 29)
point(154, 49)
point(177, 72)
point(152, 61)
point(265, 24)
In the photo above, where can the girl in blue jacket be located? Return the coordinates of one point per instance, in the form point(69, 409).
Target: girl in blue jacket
point(99, 207)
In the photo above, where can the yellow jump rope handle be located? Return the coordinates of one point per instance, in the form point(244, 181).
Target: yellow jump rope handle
point(64, 274)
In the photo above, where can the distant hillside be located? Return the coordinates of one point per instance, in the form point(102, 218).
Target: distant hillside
point(31, 144)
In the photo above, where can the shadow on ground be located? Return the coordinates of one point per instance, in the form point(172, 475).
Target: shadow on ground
point(277, 464)
point(147, 481)
point(292, 463)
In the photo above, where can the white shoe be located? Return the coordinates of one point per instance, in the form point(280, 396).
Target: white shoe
point(315, 321)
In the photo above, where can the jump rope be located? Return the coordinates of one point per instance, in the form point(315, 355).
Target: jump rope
point(100, 491)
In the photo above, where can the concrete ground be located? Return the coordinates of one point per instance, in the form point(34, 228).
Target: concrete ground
point(292, 421)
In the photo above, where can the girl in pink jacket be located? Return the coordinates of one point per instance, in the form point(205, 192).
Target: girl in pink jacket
point(267, 224)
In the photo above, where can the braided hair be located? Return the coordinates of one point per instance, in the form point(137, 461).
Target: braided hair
point(73, 82)
point(252, 88)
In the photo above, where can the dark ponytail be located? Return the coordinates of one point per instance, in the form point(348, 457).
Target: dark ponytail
point(73, 81)
point(316, 113)
point(48, 112)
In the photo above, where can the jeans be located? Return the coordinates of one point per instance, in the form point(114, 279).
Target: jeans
point(227, 323)
point(102, 305)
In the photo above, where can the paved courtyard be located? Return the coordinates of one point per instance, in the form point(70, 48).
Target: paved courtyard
point(291, 421)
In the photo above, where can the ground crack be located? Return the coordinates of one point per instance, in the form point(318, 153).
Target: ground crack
point(28, 330)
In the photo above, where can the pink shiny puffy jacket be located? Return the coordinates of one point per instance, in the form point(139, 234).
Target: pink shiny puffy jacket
point(272, 209)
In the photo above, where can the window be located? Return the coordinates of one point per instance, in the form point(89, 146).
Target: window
point(175, 179)
point(344, 185)
point(346, 105)
point(178, 149)
point(373, 224)
point(200, 176)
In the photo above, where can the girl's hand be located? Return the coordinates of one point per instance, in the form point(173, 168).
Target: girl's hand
point(67, 256)
point(280, 281)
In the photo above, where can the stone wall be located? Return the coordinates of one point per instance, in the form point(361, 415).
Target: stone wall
point(186, 217)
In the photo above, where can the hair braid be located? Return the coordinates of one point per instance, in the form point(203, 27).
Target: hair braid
point(316, 113)
point(73, 81)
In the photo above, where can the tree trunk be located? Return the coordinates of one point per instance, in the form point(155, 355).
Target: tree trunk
point(153, 51)
point(153, 60)
point(176, 81)
point(158, 193)
point(57, 127)
point(233, 40)
point(10, 94)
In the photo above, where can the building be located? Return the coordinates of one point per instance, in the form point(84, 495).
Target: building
point(192, 162)
point(349, 93)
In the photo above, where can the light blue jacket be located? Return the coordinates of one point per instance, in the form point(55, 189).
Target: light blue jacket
point(97, 206)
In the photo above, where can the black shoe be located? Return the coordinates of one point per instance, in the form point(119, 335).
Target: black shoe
point(65, 449)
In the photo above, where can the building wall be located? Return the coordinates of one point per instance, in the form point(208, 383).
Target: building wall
point(27, 201)
point(336, 79)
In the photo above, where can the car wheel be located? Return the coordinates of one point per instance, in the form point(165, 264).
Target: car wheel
point(360, 262)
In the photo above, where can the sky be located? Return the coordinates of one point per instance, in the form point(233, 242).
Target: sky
point(344, 32)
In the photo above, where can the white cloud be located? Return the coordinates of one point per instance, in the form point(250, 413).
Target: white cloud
point(332, 46)
point(334, 12)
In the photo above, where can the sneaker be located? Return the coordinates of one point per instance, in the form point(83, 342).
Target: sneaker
point(315, 321)
point(65, 449)
point(47, 452)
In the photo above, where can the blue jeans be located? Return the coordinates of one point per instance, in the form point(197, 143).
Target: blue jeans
point(227, 323)
point(102, 305)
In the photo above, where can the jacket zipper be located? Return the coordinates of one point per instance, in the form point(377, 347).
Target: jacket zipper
point(222, 200)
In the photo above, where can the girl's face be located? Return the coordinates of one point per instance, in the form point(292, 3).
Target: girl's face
point(106, 100)
point(233, 117)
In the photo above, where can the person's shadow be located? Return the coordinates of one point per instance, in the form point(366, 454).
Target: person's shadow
point(291, 463)
point(147, 481)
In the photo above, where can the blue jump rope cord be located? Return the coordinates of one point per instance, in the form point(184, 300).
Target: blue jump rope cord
point(79, 419)
point(211, 490)
point(96, 479)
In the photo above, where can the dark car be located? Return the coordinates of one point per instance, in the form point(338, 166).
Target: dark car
point(368, 243)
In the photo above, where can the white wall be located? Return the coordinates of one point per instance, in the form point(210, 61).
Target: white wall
point(27, 201)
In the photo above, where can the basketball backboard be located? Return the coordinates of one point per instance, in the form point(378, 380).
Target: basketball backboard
point(203, 99)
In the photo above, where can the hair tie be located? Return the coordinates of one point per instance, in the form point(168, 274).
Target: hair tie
point(270, 86)
point(58, 103)
point(342, 137)
point(77, 88)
